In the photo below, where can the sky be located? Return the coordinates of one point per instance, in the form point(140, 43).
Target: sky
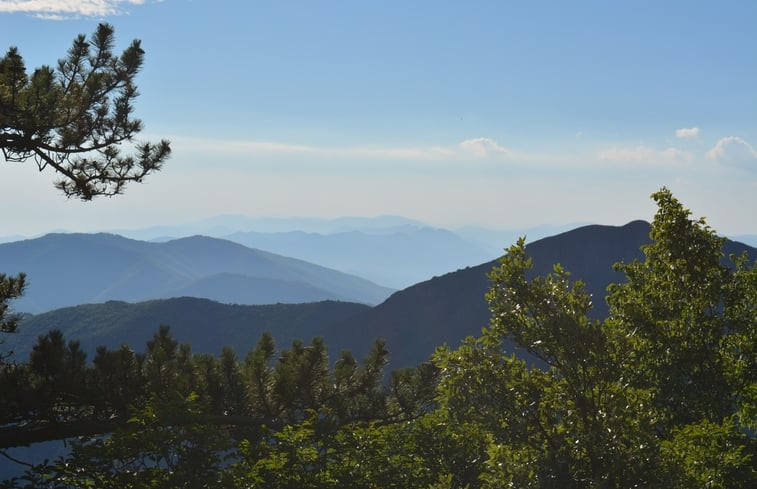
point(502, 114)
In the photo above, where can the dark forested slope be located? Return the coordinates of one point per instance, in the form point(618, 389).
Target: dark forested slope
point(206, 325)
point(446, 309)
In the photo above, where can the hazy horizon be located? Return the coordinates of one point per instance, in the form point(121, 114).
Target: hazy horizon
point(496, 114)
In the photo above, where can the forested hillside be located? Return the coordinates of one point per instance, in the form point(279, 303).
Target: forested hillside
point(207, 325)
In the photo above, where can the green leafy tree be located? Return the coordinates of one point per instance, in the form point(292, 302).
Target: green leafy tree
point(75, 117)
point(627, 402)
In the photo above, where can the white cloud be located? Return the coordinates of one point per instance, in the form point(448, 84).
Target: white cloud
point(734, 151)
point(261, 146)
point(479, 147)
point(52, 16)
point(644, 155)
point(687, 132)
point(62, 9)
point(483, 147)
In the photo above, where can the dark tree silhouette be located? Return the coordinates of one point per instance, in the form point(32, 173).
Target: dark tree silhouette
point(75, 117)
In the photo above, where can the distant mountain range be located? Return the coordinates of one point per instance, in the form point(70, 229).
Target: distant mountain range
point(750, 239)
point(396, 258)
point(393, 251)
point(9, 239)
point(490, 241)
point(71, 269)
point(223, 225)
point(414, 321)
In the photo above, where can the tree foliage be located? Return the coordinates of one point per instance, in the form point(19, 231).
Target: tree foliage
point(75, 117)
point(176, 418)
point(630, 401)
point(10, 288)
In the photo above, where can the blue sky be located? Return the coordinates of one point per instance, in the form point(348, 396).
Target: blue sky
point(503, 114)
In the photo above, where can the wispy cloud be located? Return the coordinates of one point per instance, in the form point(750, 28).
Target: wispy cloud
point(687, 132)
point(644, 155)
point(484, 148)
point(479, 152)
point(734, 151)
point(480, 148)
point(66, 9)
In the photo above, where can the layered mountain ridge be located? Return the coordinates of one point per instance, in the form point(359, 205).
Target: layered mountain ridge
point(413, 321)
point(71, 269)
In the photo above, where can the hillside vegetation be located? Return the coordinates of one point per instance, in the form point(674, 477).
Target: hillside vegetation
point(207, 325)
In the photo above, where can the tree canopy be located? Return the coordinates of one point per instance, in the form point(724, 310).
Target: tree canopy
point(659, 394)
point(75, 117)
